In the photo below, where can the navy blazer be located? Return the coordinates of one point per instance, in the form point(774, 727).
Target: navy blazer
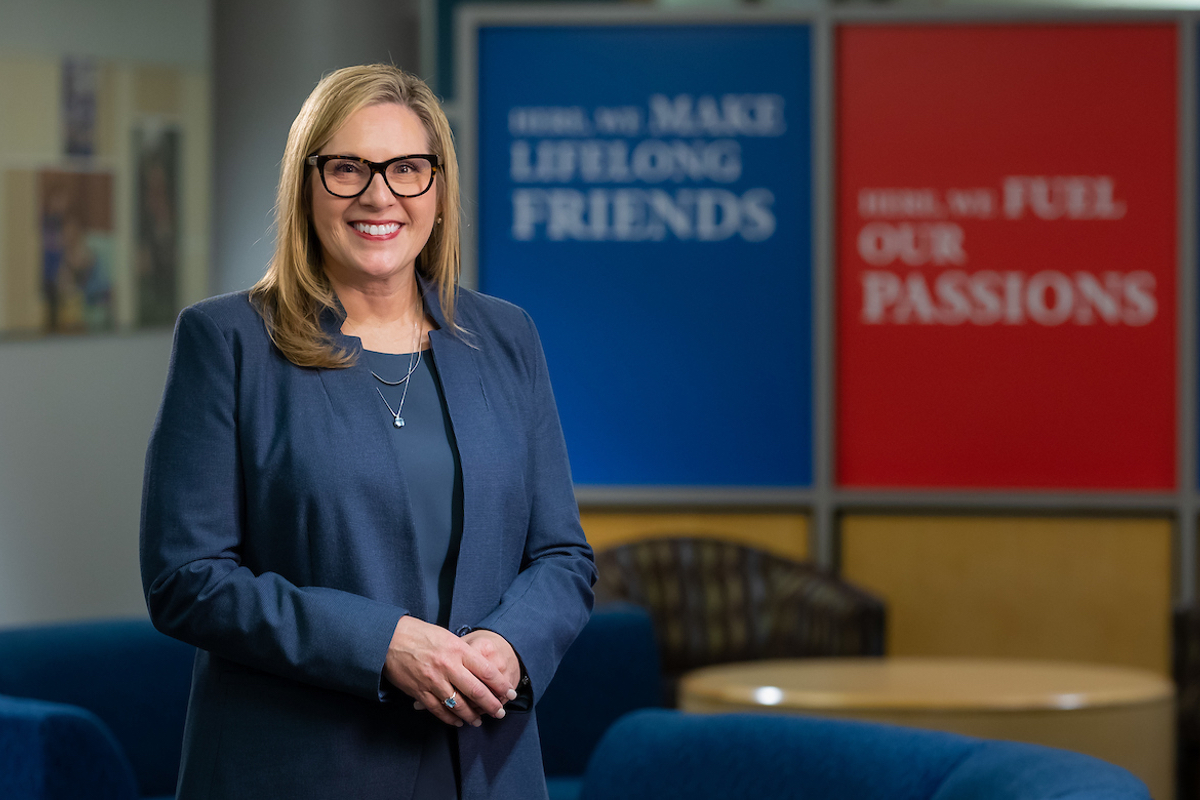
point(277, 538)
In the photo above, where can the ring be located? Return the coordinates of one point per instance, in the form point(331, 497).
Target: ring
point(450, 702)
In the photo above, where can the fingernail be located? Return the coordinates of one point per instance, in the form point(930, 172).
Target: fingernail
point(512, 694)
point(500, 714)
point(476, 723)
point(458, 724)
point(418, 706)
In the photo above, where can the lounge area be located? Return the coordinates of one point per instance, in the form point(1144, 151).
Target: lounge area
point(117, 733)
point(804, 400)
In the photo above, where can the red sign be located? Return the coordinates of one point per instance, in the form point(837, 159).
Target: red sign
point(1006, 256)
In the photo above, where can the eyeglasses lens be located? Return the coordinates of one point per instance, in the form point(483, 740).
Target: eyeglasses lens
point(408, 177)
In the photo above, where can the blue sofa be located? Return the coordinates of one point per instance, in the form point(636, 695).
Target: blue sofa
point(91, 710)
point(669, 755)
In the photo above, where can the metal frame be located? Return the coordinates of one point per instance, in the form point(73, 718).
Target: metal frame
point(1186, 351)
point(824, 501)
point(822, 528)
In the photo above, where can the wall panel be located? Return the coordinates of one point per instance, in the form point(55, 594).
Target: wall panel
point(1007, 255)
point(645, 194)
point(1080, 589)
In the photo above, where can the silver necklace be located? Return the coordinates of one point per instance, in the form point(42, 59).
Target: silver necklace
point(397, 420)
point(411, 369)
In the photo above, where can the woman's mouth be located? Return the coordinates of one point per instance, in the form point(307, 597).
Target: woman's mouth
point(376, 231)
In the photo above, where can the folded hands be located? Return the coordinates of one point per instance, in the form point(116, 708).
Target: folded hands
point(480, 671)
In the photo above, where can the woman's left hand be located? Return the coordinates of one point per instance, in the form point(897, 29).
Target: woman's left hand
point(496, 649)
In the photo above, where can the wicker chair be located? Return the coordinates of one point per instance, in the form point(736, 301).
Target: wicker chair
point(714, 602)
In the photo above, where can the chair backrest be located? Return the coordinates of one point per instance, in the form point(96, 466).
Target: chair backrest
point(51, 751)
point(1016, 771)
point(668, 755)
point(611, 669)
point(714, 602)
point(135, 679)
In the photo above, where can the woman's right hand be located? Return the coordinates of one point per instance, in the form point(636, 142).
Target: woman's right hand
point(429, 664)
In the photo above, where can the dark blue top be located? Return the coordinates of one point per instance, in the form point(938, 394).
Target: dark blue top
point(429, 466)
point(423, 442)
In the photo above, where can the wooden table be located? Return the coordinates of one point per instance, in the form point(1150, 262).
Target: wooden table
point(1123, 715)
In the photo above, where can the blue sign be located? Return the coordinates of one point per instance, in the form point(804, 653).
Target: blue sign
point(645, 192)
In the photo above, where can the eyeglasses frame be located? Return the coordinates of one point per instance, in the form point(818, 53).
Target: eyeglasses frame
point(319, 162)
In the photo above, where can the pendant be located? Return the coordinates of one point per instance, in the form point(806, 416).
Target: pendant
point(398, 422)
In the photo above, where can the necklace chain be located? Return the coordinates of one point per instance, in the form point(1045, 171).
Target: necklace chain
point(411, 369)
point(414, 361)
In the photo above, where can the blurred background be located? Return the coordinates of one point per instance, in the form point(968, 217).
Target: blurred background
point(916, 306)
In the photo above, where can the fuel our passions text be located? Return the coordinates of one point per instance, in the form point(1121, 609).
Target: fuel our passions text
point(902, 229)
point(663, 171)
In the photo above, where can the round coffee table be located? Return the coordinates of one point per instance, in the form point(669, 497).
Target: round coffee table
point(1123, 715)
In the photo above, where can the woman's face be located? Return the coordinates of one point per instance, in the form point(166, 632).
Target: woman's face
point(351, 253)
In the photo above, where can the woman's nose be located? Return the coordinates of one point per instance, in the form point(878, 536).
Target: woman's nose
point(377, 192)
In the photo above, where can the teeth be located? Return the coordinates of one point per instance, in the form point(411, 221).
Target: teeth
point(376, 230)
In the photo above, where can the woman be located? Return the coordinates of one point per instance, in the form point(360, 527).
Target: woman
point(357, 502)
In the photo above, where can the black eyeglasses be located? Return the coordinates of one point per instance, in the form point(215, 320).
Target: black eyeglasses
point(348, 176)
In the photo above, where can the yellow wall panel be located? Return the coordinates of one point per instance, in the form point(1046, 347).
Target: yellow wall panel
point(21, 269)
point(1090, 589)
point(157, 90)
point(31, 98)
point(196, 187)
point(784, 534)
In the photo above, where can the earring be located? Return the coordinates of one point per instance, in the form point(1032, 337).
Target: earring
point(439, 220)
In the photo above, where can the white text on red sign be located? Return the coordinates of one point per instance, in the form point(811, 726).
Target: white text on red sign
point(912, 227)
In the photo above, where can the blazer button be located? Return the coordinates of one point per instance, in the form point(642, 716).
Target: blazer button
point(463, 630)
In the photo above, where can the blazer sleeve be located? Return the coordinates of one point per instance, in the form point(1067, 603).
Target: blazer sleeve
point(192, 531)
point(549, 602)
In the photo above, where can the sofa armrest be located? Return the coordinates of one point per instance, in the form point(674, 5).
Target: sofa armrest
point(1001, 770)
point(51, 751)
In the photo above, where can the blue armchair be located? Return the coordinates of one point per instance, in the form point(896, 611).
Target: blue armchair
point(668, 755)
point(91, 710)
point(611, 669)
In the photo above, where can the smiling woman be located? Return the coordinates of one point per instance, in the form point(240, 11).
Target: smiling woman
point(378, 599)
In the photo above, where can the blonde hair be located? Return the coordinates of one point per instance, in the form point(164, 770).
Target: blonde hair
point(294, 292)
